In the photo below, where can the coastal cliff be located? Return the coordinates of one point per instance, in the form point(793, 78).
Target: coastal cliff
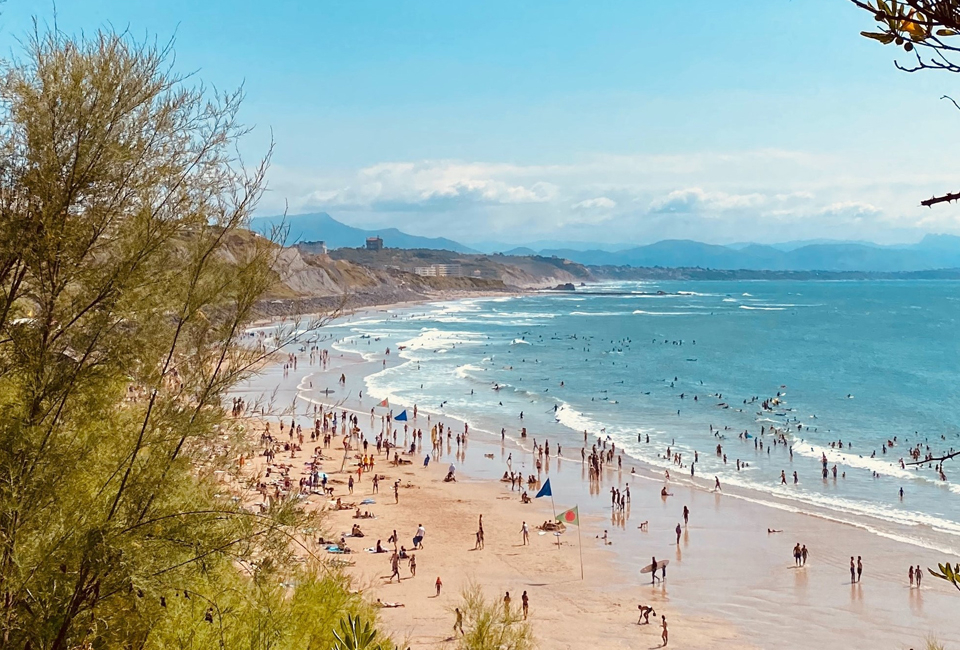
point(352, 278)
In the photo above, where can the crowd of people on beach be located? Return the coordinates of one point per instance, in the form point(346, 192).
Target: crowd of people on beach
point(601, 459)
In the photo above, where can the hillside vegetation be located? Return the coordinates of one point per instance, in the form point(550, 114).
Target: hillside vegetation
point(354, 277)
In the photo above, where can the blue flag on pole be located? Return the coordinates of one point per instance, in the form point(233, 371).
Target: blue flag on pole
point(545, 491)
point(402, 417)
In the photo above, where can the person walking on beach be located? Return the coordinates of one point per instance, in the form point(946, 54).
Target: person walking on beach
point(859, 568)
point(418, 538)
point(526, 533)
point(395, 567)
point(653, 571)
point(438, 585)
point(910, 574)
point(458, 624)
point(506, 604)
point(396, 492)
point(525, 602)
point(796, 554)
point(853, 571)
point(803, 555)
point(413, 565)
point(663, 633)
point(686, 515)
point(716, 484)
point(919, 575)
point(679, 530)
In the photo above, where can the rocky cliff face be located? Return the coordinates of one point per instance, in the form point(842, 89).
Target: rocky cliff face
point(352, 278)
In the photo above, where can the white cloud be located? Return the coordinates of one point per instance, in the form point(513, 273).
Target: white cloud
point(396, 186)
point(762, 195)
point(697, 200)
point(599, 203)
point(850, 209)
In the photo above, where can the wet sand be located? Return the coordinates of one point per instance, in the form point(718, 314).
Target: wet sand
point(729, 583)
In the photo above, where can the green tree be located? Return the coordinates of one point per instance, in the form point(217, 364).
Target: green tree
point(127, 278)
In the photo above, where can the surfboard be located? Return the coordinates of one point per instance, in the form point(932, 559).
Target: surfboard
point(649, 567)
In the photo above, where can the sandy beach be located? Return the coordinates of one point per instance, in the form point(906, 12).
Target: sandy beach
point(730, 583)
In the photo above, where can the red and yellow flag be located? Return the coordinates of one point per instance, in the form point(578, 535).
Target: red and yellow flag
point(571, 516)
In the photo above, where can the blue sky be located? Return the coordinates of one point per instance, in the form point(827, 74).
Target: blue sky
point(617, 122)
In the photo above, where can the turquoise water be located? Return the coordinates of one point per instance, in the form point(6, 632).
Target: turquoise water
point(860, 362)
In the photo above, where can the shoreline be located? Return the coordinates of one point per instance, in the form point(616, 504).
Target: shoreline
point(746, 595)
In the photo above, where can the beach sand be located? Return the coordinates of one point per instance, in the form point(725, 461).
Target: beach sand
point(729, 582)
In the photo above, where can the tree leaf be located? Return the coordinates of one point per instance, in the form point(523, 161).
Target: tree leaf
point(886, 39)
point(946, 32)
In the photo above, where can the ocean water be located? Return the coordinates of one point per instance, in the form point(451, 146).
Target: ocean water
point(861, 361)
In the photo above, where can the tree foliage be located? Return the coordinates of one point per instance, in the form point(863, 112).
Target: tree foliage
point(489, 625)
point(354, 634)
point(126, 282)
point(924, 28)
point(928, 32)
point(949, 573)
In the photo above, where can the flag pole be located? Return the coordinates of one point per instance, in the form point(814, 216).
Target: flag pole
point(580, 544)
point(554, 516)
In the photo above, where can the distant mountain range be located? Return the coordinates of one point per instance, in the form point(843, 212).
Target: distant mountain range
point(321, 226)
point(933, 252)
